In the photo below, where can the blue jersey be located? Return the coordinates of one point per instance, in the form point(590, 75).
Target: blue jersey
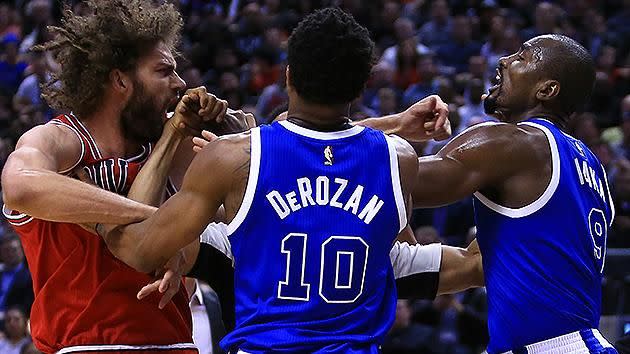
point(311, 241)
point(543, 262)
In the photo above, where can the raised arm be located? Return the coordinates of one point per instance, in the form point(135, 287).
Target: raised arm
point(484, 156)
point(425, 120)
point(185, 215)
point(32, 184)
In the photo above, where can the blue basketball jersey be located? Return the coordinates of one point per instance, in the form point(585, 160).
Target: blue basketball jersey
point(311, 241)
point(543, 262)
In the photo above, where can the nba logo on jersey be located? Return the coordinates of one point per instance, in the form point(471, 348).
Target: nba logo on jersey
point(311, 241)
point(328, 155)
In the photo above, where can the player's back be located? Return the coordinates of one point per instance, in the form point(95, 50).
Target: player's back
point(85, 298)
point(311, 241)
point(543, 262)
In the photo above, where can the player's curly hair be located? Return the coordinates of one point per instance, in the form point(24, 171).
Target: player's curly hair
point(330, 57)
point(115, 35)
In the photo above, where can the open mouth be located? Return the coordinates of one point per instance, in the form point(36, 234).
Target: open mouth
point(496, 82)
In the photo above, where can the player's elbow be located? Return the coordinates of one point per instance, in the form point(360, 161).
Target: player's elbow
point(15, 193)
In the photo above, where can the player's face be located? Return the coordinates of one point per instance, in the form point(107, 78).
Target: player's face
point(156, 87)
point(15, 323)
point(514, 91)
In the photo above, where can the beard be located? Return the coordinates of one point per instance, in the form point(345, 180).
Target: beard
point(490, 105)
point(142, 117)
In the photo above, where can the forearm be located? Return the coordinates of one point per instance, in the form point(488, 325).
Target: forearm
point(461, 269)
point(388, 124)
point(50, 196)
point(148, 187)
point(124, 246)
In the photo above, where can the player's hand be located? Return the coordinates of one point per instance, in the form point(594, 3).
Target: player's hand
point(427, 119)
point(168, 280)
point(206, 138)
point(196, 108)
point(234, 121)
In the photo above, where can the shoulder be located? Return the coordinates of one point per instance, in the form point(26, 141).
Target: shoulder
point(228, 151)
point(406, 154)
point(58, 135)
point(498, 137)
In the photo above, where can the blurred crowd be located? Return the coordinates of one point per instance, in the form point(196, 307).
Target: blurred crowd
point(237, 48)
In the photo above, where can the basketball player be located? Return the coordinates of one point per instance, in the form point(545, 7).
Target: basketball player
point(542, 202)
point(118, 78)
point(311, 224)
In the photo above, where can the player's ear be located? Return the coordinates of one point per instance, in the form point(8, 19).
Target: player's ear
point(548, 90)
point(120, 81)
point(287, 75)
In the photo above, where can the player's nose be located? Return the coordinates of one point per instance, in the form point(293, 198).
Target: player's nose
point(178, 83)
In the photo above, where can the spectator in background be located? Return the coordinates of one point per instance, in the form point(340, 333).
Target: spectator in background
point(387, 102)
point(620, 233)
point(405, 30)
point(493, 49)
point(473, 106)
point(426, 84)
point(39, 13)
point(230, 89)
point(622, 149)
point(584, 127)
point(16, 286)
point(29, 348)
point(382, 77)
point(11, 66)
point(29, 93)
point(545, 21)
point(436, 31)
point(16, 332)
point(385, 32)
point(596, 36)
point(272, 97)
point(407, 61)
point(264, 69)
point(249, 36)
point(8, 21)
point(406, 337)
point(454, 54)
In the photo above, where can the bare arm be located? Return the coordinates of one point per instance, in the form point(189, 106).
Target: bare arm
point(425, 120)
point(482, 156)
point(461, 268)
point(184, 216)
point(31, 183)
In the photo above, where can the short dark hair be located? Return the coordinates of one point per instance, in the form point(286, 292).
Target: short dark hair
point(116, 35)
point(330, 57)
point(570, 63)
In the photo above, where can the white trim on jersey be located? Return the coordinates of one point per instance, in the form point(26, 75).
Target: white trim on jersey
point(123, 347)
point(252, 181)
point(12, 219)
point(610, 199)
point(413, 259)
point(216, 235)
point(321, 135)
point(547, 194)
point(395, 173)
point(571, 343)
point(58, 122)
point(89, 136)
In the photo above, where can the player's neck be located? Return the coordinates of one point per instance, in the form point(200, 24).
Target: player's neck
point(318, 117)
point(105, 126)
point(559, 120)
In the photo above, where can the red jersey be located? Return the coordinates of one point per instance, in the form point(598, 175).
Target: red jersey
point(85, 298)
